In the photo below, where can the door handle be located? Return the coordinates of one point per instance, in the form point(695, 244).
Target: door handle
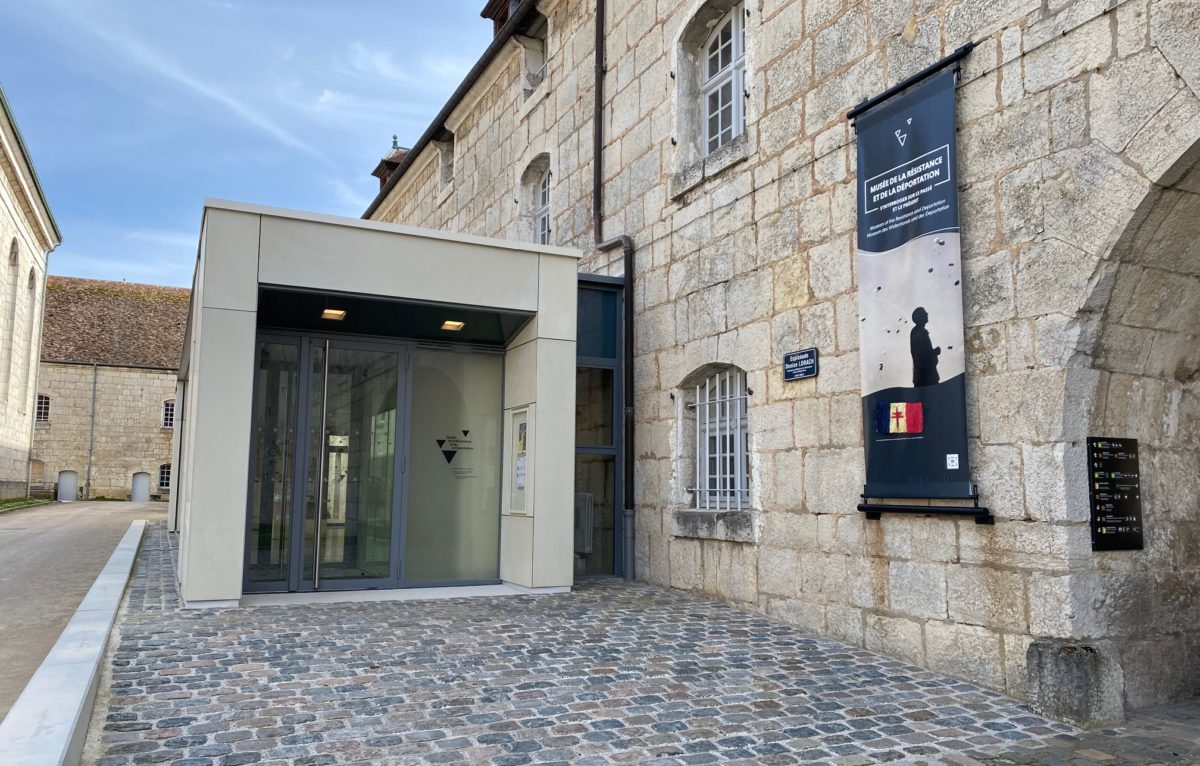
point(321, 446)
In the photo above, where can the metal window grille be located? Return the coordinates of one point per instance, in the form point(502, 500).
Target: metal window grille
point(722, 446)
point(168, 414)
point(42, 409)
point(542, 213)
point(164, 476)
point(721, 95)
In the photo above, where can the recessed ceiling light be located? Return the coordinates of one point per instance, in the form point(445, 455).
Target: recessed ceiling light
point(336, 315)
point(453, 325)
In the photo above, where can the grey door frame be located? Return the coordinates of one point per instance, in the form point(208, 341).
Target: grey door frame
point(305, 343)
point(613, 285)
point(296, 579)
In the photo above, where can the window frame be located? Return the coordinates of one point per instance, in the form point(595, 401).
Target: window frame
point(41, 409)
point(541, 208)
point(167, 416)
point(164, 468)
point(722, 477)
point(733, 74)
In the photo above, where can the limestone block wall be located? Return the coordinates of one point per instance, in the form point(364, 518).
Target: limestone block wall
point(129, 436)
point(1077, 125)
point(22, 298)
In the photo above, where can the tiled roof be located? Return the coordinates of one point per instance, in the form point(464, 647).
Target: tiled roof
point(93, 321)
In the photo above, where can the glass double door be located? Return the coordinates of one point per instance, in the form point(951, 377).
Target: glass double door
point(327, 465)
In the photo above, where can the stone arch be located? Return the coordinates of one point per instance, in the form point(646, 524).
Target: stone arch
point(14, 281)
point(689, 42)
point(528, 192)
point(1131, 353)
point(686, 447)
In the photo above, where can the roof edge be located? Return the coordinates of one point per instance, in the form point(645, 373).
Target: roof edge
point(490, 53)
point(37, 184)
point(211, 203)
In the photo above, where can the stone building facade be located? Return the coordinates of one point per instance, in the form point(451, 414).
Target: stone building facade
point(106, 389)
point(27, 234)
point(1079, 136)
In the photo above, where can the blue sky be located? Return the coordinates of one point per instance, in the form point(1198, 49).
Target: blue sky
point(136, 110)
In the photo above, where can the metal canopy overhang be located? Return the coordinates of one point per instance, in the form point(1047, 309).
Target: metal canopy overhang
point(298, 309)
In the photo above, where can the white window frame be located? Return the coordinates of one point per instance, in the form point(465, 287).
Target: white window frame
point(41, 409)
point(722, 477)
point(164, 468)
point(541, 212)
point(168, 413)
point(733, 74)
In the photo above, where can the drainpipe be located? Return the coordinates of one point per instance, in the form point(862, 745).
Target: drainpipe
point(87, 487)
point(625, 242)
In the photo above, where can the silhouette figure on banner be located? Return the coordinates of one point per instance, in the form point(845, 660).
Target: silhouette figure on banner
point(924, 353)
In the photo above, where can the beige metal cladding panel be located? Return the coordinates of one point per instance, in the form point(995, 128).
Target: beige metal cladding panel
point(357, 260)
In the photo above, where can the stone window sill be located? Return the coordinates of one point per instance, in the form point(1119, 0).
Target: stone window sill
point(711, 166)
point(445, 193)
point(731, 526)
point(531, 98)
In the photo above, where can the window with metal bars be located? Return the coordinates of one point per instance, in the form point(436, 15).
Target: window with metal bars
point(724, 74)
point(722, 475)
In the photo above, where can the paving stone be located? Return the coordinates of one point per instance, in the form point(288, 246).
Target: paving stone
point(611, 673)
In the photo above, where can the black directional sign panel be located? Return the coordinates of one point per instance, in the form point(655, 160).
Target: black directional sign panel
point(1114, 486)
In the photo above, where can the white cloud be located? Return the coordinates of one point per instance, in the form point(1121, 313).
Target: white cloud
point(183, 240)
point(156, 62)
point(437, 73)
point(350, 200)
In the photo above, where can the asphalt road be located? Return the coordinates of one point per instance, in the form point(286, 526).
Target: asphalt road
point(49, 557)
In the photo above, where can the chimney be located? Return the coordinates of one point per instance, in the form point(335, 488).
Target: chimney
point(392, 160)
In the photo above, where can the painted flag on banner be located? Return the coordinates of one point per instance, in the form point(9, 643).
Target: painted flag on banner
point(906, 418)
point(899, 418)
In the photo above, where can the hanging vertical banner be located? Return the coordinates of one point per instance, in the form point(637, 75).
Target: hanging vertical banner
point(910, 295)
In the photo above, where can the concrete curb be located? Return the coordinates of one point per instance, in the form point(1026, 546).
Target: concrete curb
point(47, 725)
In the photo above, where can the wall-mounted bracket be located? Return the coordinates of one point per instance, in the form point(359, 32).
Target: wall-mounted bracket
point(875, 511)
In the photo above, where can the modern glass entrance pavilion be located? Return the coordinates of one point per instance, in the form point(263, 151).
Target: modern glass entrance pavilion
point(372, 406)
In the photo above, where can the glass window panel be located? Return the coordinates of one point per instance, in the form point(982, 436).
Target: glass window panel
point(357, 452)
point(596, 327)
point(274, 444)
point(595, 514)
point(593, 407)
point(453, 525)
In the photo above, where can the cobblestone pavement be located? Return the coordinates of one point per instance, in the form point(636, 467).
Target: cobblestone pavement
point(1166, 735)
point(612, 673)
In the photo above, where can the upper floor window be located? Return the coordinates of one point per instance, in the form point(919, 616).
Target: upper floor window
point(542, 212)
point(724, 64)
point(722, 450)
point(534, 200)
point(532, 40)
point(164, 476)
point(168, 413)
point(42, 409)
point(445, 149)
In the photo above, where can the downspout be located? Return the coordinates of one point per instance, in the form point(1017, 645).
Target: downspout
point(91, 437)
point(625, 242)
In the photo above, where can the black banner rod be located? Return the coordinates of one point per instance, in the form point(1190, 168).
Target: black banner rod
point(958, 55)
